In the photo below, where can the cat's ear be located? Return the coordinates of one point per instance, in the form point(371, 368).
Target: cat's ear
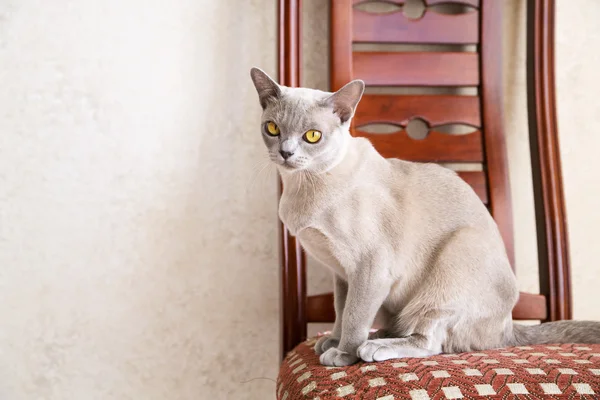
point(266, 87)
point(345, 100)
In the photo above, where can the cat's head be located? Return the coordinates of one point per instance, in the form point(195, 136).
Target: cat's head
point(305, 129)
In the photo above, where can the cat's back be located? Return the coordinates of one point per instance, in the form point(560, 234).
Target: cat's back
point(428, 174)
point(438, 193)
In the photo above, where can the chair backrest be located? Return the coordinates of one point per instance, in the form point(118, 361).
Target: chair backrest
point(478, 69)
point(470, 41)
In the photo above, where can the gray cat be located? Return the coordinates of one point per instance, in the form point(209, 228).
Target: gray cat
point(408, 240)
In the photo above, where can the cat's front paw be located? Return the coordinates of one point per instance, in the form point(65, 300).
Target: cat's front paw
point(325, 343)
point(335, 357)
point(376, 350)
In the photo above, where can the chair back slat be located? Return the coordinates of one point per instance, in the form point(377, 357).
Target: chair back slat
point(431, 28)
point(435, 109)
point(478, 181)
point(434, 148)
point(472, 3)
point(416, 68)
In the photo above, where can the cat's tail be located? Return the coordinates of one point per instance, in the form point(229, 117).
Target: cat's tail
point(556, 332)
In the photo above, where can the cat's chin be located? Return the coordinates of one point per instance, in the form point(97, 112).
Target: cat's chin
point(290, 168)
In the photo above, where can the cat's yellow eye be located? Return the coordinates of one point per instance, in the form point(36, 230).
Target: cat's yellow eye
point(312, 136)
point(272, 128)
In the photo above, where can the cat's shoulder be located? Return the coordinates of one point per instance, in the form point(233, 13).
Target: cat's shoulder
point(418, 168)
point(425, 174)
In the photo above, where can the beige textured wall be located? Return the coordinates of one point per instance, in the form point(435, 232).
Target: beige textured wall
point(138, 252)
point(137, 258)
point(578, 85)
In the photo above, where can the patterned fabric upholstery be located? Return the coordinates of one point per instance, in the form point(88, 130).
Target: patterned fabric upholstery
point(568, 371)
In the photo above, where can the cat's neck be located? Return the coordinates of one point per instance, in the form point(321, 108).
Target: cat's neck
point(359, 156)
point(305, 195)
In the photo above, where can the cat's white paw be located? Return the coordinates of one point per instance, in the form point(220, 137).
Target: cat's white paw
point(375, 350)
point(335, 357)
point(325, 343)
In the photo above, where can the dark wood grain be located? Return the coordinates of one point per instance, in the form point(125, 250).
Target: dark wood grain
point(319, 308)
point(416, 68)
point(293, 264)
point(341, 43)
point(530, 307)
point(289, 42)
point(492, 113)
point(478, 181)
point(431, 28)
point(436, 110)
point(436, 147)
point(551, 222)
point(473, 3)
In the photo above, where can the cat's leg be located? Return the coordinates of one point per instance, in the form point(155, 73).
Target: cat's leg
point(367, 289)
point(424, 341)
point(340, 291)
point(445, 313)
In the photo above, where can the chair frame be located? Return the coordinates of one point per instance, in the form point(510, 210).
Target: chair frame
point(554, 302)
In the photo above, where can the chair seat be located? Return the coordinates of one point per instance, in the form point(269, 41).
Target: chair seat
point(570, 371)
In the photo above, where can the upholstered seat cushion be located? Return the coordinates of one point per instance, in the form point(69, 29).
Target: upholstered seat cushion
point(569, 371)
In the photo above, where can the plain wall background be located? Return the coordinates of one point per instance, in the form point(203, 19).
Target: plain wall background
point(138, 241)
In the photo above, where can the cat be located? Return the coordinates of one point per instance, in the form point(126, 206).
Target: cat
point(411, 241)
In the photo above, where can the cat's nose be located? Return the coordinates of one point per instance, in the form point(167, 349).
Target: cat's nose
point(285, 154)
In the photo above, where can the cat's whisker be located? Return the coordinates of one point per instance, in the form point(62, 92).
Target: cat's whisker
point(266, 182)
point(262, 159)
point(312, 180)
point(300, 184)
point(269, 174)
point(259, 167)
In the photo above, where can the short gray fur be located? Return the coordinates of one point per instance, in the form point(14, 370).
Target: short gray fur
point(410, 241)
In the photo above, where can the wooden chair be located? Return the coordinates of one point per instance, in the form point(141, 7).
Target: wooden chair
point(481, 69)
point(479, 28)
